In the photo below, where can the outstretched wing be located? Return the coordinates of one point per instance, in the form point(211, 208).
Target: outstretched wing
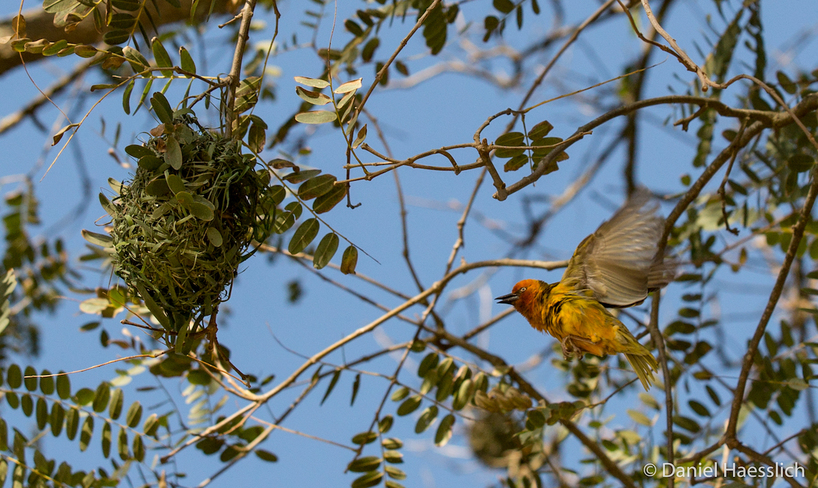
point(618, 263)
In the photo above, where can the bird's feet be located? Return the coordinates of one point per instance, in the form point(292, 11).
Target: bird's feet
point(570, 348)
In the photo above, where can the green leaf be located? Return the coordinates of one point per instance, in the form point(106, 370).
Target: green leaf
point(126, 96)
point(369, 49)
point(392, 443)
point(151, 424)
point(137, 61)
point(504, 6)
point(150, 162)
point(266, 456)
point(686, 423)
point(106, 439)
point(385, 424)
point(409, 405)
point(349, 86)
point(364, 464)
point(464, 394)
point(515, 163)
point(699, 408)
point(428, 362)
point(106, 205)
point(786, 83)
point(540, 130)
point(129, 5)
point(103, 240)
point(797, 384)
point(315, 83)
point(312, 97)
point(316, 117)
point(510, 139)
point(400, 394)
point(56, 419)
point(304, 235)
point(349, 260)
point(122, 20)
point(800, 163)
point(247, 94)
point(355, 387)
point(543, 147)
point(46, 383)
point(394, 472)
point(85, 51)
point(163, 110)
point(138, 448)
point(63, 386)
point(353, 28)
point(30, 378)
point(364, 438)
point(335, 376)
point(12, 399)
point(201, 208)
point(72, 422)
point(158, 187)
point(330, 199)
point(115, 406)
point(173, 153)
point(256, 137)
point(187, 61)
point(214, 236)
point(359, 138)
point(640, 418)
point(86, 433)
point(326, 250)
point(444, 430)
point(154, 308)
point(134, 415)
point(101, 397)
point(85, 396)
point(122, 444)
point(160, 54)
point(41, 413)
point(372, 478)
point(303, 175)
point(27, 404)
point(426, 418)
point(175, 182)
point(315, 187)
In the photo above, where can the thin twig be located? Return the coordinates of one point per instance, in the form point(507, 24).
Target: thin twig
point(379, 76)
point(235, 69)
point(775, 294)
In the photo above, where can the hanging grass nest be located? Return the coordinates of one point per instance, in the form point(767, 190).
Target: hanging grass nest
point(185, 222)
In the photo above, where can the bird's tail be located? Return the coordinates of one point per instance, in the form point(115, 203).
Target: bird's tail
point(644, 365)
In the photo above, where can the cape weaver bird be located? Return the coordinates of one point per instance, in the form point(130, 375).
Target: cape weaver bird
point(615, 267)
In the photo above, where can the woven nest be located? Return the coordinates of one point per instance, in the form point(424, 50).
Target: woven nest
point(183, 224)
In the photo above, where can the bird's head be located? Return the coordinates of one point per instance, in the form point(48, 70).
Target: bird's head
point(523, 295)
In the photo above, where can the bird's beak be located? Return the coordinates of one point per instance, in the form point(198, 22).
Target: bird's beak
point(508, 299)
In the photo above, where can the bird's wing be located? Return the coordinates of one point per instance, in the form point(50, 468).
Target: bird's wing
point(618, 263)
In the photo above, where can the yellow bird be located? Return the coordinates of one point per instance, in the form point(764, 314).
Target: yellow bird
point(616, 266)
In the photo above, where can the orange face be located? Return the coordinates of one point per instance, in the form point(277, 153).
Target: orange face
point(522, 295)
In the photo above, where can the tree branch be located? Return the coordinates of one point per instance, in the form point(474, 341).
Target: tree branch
point(40, 25)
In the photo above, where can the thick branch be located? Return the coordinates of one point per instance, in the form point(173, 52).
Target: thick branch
point(39, 25)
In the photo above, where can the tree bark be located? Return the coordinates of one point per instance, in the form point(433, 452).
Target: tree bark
point(40, 25)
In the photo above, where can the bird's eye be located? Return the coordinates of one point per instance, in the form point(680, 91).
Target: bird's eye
point(521, 290)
